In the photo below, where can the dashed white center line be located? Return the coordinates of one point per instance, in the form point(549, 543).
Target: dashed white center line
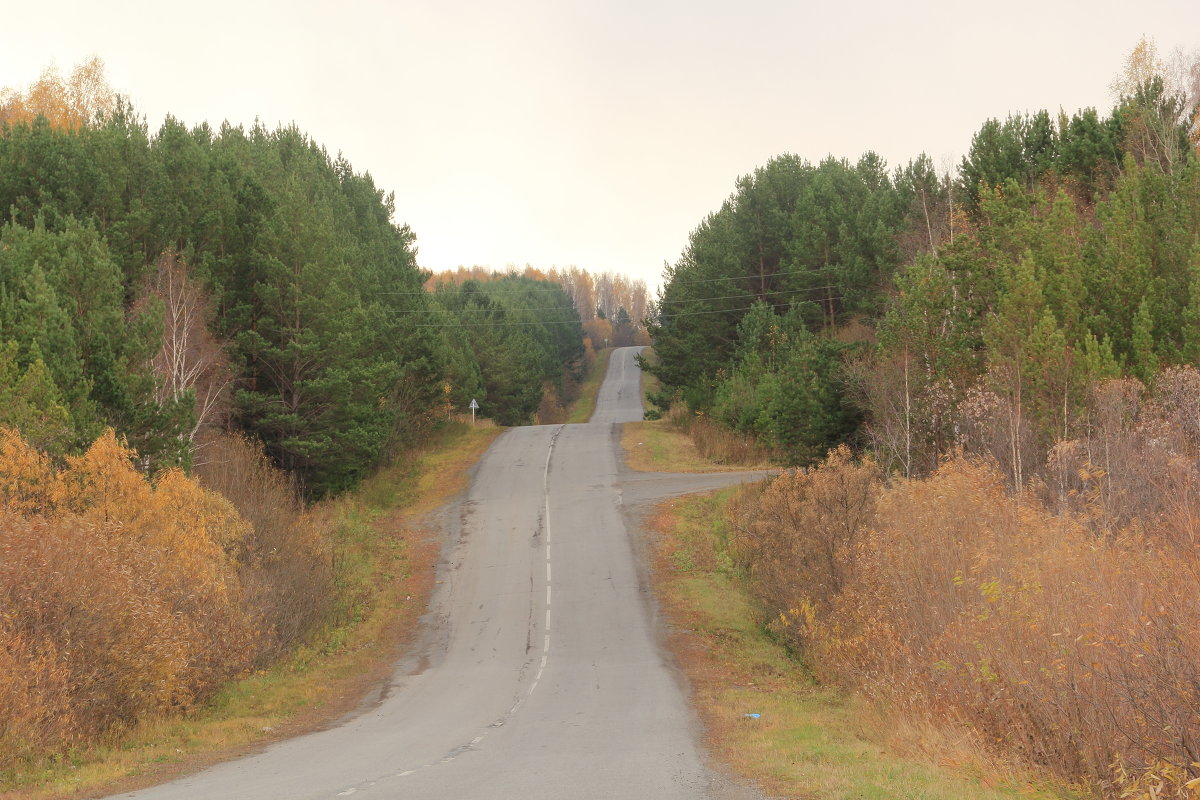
point(546, 634)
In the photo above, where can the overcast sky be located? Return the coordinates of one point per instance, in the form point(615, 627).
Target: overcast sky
point(595, 133)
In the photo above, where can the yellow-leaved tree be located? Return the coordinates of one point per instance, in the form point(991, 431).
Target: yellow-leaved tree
point(85, 98)
point(121, 596)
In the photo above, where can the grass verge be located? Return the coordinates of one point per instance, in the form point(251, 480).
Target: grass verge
point(659, 446)
point(385, 577)
point(654, 446)
point(807, 741)
point(585, 405)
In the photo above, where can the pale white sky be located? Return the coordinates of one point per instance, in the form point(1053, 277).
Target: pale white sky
point(595, 133)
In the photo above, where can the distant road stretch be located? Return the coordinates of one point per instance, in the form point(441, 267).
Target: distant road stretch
point(540, 672)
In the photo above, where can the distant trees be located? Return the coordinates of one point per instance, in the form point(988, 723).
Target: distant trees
point(612, 308)
point(523, 333)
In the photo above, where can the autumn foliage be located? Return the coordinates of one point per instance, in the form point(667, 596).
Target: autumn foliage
point(84, 98)
point(1053, 624)
point(123, 597)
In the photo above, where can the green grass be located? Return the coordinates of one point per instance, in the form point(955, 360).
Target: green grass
point(585, 405)
point(655, 446)
point(658, 446)
point(809, 741)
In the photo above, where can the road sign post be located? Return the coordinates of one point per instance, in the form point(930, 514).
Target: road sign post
point(474, 408)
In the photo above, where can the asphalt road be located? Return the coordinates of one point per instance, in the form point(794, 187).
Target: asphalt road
point(540, 671)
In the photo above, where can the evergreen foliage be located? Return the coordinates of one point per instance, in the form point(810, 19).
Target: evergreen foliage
point(521, 334)
point(337, 351)
point(986, 306)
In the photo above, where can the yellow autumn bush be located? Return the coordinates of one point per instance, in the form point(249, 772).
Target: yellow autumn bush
point(1070, 645)
point(119, 596)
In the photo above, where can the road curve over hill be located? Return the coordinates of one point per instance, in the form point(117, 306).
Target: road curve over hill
point(540, 672)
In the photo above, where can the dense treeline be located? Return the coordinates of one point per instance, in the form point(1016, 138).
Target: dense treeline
point(253, 251)
point(904, 308)
point(1013, 351)
point(613, 308)
point(312, 286)
point(200, 331)
point(520, 339)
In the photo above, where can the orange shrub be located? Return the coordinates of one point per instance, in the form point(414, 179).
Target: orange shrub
point(1073, 647)
point(28, 482)
point(120, 598)
point(798, 576)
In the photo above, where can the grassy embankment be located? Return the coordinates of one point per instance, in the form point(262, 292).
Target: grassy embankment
point(808, 740)
point(680, 442)
point(384, 573)
point(585, 405)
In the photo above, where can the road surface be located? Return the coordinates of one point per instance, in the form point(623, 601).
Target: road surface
point(540, 672)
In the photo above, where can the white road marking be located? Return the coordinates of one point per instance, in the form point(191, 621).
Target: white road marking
point(545, 638)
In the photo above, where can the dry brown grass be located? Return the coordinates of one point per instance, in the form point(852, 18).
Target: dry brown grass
point(664, 445)
point(715, 442)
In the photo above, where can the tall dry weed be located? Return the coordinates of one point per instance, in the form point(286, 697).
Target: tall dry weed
point(1138, 463)
point(285, 563)
point(716, 442)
